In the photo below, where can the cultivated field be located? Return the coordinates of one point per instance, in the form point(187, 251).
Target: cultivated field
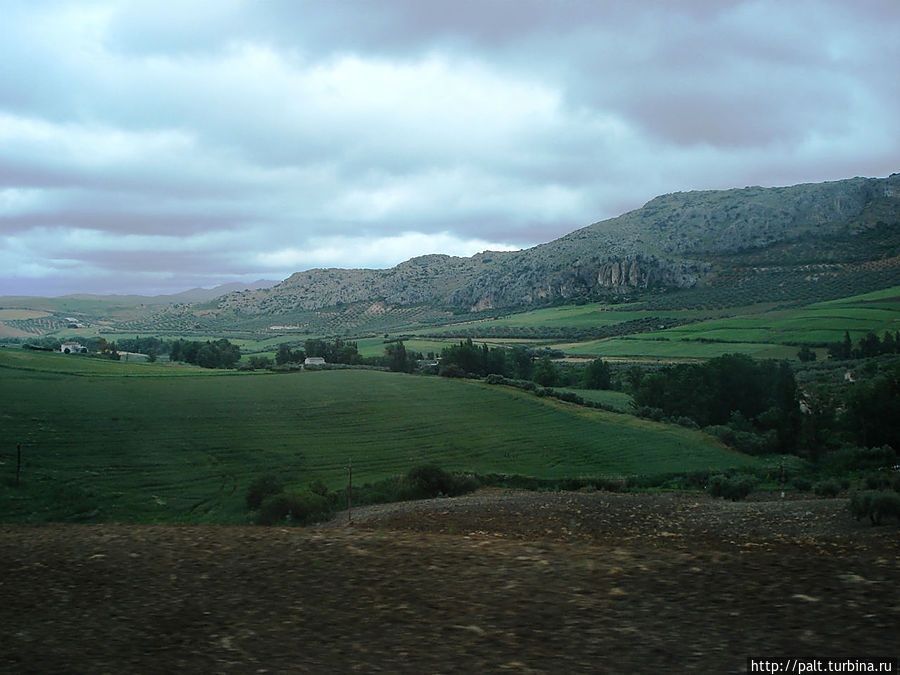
point(185, 448)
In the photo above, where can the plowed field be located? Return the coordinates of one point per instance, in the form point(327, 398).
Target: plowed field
point(495, 581)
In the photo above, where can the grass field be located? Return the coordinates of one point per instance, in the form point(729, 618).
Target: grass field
point(762, 331)
point(812, 324)
point(636, 348)
point(73, 364)
point(618, 400)
point(173, 449)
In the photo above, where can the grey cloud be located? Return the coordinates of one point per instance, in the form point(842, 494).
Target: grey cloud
point(511, 122)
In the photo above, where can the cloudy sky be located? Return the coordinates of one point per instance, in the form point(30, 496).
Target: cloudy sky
point(157, 146)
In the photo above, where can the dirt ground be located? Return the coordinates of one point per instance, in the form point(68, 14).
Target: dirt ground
point(496, 581)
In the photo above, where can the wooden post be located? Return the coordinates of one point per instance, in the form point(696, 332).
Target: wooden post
point(18, 462)
point(349, 490)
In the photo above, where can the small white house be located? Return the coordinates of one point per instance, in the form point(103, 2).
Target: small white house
point(314, 361)
point(72, 348)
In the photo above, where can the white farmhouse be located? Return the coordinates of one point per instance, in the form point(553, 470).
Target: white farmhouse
point(72, 348)
point(314, 361)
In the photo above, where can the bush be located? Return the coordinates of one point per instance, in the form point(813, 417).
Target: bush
point(429, 480)
point(734, 488)
point(300, 509)
point(451, 370)
point(828, 488)
point(849, 459)
point(318, 487)
point(570, 397)
point(655, 414)
point(686, 422)
point(875, 505)
point(722, 432)
point(802, 484)
point(262, 487)
point(744, 441)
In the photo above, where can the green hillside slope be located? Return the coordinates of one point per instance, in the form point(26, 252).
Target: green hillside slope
point(186, 448)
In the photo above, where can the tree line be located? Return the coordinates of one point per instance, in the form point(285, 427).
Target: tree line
point(868, 346)
point(468, 359)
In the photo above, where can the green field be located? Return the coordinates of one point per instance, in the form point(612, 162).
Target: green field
point(617, 400)
point(167, 449)
point(74, 364)
point(812, 324)
point(762, 331)
point(636, 348)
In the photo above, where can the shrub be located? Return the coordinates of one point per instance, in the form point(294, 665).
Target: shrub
point(318, 487)
point(655, 414)
point(685, 421)
point(848, 459)
point(451, 370)
point(570, 397)
point(744, 441)
point(734, 488)
point(802, 484)
point(875, 505)
point(722, 432)
point(302, 509)
point(692, 480)
point(877, 480)
point(827, 488)
point(429, 480)
point(262, 487)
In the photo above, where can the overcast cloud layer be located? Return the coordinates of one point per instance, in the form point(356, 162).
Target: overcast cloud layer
point(156, 146)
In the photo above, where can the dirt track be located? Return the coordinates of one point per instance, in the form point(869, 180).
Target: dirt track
point(496, 581)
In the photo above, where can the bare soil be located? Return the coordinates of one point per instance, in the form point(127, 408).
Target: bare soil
point(494, 581)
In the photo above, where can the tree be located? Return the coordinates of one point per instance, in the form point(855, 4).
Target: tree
point(869, 346)
point(284, 354)
point(872, 409)
point(806, 354)
point(597, 375)
point(316, 348)
point(208, 356)
point(545, 372)
point(521, 363)
point(841, 350)
point(397, 358)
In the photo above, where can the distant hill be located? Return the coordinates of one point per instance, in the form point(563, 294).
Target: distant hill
point(752, 238)
point(191, 295)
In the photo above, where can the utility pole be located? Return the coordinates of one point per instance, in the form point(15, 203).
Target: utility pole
point(349, 489)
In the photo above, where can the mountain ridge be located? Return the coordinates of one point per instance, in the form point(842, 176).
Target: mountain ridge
point(674, 241)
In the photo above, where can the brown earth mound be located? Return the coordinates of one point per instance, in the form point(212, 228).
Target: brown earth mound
point(495, 581)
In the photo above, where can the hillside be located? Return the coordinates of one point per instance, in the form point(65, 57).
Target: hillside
point(160, 448)
point(692, 240)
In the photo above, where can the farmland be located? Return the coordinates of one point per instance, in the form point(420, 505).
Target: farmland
point(185, 448)
point(628, 330)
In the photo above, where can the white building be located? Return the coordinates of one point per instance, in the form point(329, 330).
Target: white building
point(314, 361)
point(72, 348)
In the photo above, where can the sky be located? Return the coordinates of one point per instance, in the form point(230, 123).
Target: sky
point(152, 147)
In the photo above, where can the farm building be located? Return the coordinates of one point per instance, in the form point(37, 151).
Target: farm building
point(72, 348)
point(314, 361)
